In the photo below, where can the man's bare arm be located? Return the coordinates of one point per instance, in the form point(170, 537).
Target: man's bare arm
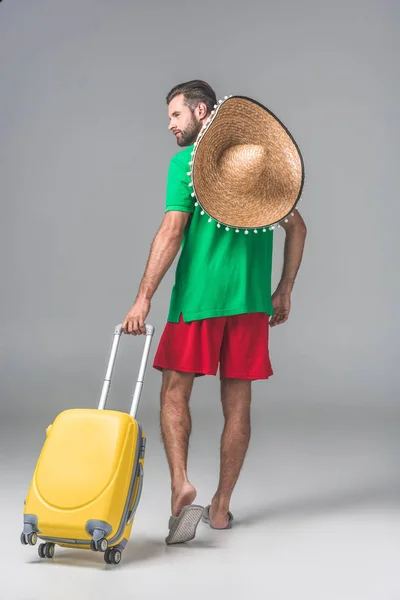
point(164, 249)
point(296, 232)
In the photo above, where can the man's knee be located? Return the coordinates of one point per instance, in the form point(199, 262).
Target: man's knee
point(176, 387)
point(236, 397)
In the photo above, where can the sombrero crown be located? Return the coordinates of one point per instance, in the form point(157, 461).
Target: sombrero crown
point(247, 171)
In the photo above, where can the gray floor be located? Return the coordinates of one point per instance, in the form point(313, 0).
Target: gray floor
point(317, 515)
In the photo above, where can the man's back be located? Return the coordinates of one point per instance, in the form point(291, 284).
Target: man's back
point(220, 272)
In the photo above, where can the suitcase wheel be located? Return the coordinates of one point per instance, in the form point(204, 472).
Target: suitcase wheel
point(112, 556)
point(46, 550)
point(24, 541)
point(30, 538)
point(99, 545)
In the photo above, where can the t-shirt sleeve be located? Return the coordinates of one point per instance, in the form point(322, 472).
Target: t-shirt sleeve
point(179, 194)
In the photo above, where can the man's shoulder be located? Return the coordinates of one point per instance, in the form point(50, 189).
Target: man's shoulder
point(182, 157)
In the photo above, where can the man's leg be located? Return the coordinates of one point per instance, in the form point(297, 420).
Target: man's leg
point(176, 427)
point(236, 400)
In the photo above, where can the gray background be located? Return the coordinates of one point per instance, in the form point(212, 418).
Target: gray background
point(84, 156)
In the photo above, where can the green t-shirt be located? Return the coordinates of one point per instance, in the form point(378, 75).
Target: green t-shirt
point(219, 272)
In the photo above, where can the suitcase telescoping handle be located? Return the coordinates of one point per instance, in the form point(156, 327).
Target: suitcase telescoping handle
point(142, 369)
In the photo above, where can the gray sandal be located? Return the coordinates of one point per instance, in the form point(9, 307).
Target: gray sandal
point(206, 519)
point(183, 527)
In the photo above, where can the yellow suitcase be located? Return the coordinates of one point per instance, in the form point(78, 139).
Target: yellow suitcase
point(89, 476)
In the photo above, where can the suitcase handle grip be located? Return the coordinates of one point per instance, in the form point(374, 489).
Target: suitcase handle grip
point(110, 367)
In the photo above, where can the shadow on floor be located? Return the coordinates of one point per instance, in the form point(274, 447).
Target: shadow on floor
point(328, 502)
point(138, 550)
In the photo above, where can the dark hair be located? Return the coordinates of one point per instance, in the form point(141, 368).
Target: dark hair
point(194, 91)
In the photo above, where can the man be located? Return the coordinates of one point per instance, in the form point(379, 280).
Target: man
point(220, 312)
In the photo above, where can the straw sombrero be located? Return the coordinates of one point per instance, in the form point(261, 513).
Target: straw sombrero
point(247, 171)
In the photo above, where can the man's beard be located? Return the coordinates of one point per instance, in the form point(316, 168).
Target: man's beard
point(189, 135)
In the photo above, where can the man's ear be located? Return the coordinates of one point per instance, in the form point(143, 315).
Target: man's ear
point(202, 110)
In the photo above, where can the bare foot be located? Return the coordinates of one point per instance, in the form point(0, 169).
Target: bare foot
point(182, 496)
point(218, 517)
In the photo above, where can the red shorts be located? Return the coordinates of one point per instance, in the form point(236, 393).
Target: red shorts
point(238, 343)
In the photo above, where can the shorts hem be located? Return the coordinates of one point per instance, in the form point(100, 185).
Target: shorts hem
point(196, 372)
point(246, 376)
